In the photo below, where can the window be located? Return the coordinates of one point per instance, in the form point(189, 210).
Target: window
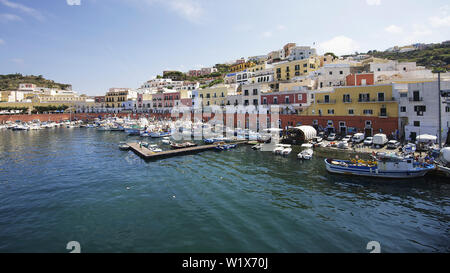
point(327, 98)
point(364, 97)
point(416, 123)
point(264, 100)
point(351, 111)
point(286, 99)
point(447, 109)
point(275, 100)
point(380, 96)
point(368, 112)
point(245, 92)
point(330, 123)
point(416, 96)
point(297, 67)
point(331, 72)
point(255, 91)
point(331, 111)
point(403, 109)
point(346, 98)
point(300, 97)
point(320, 112)
point(341, 72)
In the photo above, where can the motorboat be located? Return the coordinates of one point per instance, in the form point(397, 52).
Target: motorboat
point(280, 147)
point(124, 146)
point(225, 147)
point(286, 151)
point(154, 148)
point(383, 165)
point(257, 146)
point(166, 140)
point(182, 145)
point(306, 154)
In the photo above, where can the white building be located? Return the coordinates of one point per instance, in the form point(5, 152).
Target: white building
point(332, 75)
point(418, 110)
point(301, 53)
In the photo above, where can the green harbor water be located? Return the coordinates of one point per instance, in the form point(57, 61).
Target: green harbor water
point(61, 185)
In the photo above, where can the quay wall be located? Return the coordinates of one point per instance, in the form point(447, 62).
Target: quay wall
point(386, 125)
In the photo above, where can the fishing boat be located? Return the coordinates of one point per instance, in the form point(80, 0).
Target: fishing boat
point(383, 165)
point(306, 154)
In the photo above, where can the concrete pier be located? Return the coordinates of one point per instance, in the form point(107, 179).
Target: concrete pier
point(148, 154)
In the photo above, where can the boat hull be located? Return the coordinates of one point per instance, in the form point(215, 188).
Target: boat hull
point(375, 172)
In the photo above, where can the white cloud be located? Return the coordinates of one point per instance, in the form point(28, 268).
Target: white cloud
point(73, 2)
point(394, 29)
point(25, 9)
point(437, 21)
point(418, 33)
point(373, 2)
point(189, 9)
point(339, 45)
point(18, 61)
point(267, 34)
point(7, 17)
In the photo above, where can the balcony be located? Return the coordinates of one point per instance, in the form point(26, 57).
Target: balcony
point(376, 100)
point(416, 99)
point(326, 101)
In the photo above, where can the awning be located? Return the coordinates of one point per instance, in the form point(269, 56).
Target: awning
point(426, 138)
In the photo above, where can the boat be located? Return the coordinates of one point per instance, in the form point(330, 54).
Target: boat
point(383, 165)
point(279, 148)
point(306, 154)
point(133, 131)
point(286, 151)
point(225, 147)
point(154, 148)
point(166, 140)
point(124, 146)
point(257, 146)
point(182, 145)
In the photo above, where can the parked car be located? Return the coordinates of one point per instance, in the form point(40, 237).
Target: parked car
point(368, 141)
point(358, 138)
point(393, 144)
point(347, 138)
point(379, 140)
point(331, 137)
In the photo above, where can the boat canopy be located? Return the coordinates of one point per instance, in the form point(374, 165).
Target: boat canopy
point(300, 134)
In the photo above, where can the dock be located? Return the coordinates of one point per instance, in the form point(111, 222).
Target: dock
point(150, 155)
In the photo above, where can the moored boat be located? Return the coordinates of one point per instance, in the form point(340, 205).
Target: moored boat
point(384, 165)
point(306, 154)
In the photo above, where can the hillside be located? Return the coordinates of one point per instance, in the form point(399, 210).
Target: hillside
point(436, 56)
point(12, 81)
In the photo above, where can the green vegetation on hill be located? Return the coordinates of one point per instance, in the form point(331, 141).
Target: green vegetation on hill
point(12, 81)
point(435, 57)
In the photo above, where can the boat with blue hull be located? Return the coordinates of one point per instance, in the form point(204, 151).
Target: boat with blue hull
point(385, 166)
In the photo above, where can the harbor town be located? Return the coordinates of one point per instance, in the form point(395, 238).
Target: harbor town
point(220, 127)
point(358, 103)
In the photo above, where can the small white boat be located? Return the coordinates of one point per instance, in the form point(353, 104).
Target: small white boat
point(166, 140)
point(306, 154)
point(286, 151)
point(280, 147)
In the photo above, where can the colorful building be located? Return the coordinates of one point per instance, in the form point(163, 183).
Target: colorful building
point(285, 71)
point(369, 109)
point(241, 66)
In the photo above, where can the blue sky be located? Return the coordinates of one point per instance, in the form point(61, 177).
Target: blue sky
point(98, 44)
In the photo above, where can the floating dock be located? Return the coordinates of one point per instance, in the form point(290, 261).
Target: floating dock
point(148, 154)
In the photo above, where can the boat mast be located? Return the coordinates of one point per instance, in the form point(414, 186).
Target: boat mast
point(440, 114)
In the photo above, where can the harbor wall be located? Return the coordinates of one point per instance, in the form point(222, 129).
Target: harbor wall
point(358, 123)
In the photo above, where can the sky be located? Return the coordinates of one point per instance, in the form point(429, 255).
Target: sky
point(98, 44)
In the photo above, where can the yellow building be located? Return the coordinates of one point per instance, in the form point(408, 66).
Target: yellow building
point(285, 71)
point(241, 66)
point(370, 101)
point(115, 97)
point(258, 67)
point(216, 95)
